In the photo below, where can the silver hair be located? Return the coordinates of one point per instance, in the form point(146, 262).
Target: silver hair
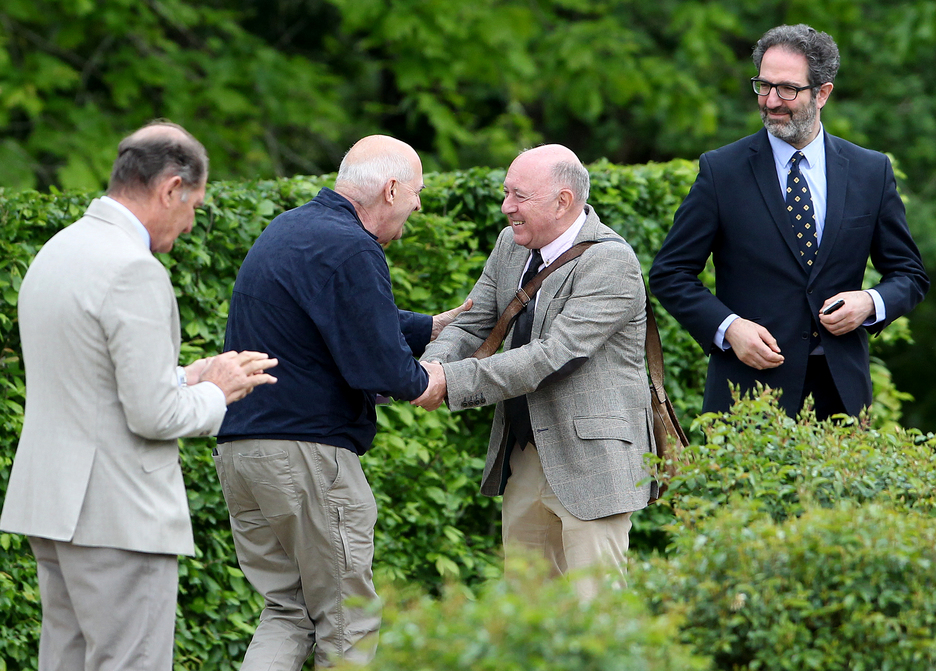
point(819, 49)
point(369, 176)
point(572, 174)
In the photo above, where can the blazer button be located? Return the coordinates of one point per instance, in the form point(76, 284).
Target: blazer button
point(804, 335)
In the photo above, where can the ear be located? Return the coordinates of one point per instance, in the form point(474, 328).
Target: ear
point(565, 201)
point(169, 188)
point(390, 191)
point(824, 92)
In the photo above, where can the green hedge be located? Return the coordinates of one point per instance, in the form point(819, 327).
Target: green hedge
point(843, 588)
point(424, 468)
point(527, 622)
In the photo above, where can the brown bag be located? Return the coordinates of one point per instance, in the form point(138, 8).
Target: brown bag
point(667, 433)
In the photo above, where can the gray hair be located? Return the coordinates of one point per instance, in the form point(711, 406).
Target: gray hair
point(367, 177)
point(143, 158)
point(572, 174)
point(820, 50)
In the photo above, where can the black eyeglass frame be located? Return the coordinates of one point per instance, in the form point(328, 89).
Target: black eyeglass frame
point(796, 89)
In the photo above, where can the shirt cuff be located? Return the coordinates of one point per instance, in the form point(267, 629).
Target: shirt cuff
point(879, 313)
point(720, 333)
point(181, 377)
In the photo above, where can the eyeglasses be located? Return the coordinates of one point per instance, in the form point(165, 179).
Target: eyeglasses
point(785, 91)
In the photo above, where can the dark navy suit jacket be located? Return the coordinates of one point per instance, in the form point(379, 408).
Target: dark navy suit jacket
point(735, 212)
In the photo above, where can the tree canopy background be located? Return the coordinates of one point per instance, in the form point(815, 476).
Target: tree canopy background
point(283, 87)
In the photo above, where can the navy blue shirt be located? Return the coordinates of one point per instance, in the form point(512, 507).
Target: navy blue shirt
point(314, 292)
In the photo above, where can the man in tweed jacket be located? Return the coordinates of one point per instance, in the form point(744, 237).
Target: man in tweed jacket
point(570, 489)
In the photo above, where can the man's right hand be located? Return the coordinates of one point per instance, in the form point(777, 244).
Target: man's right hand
point(237, 373)
point(434, 394)
point(753, 344)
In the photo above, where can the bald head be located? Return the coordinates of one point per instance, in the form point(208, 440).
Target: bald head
point(154, 152)
point(544, 193)
point(563, 167)
point(371, 163)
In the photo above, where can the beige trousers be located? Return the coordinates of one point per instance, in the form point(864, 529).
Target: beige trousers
point(534, 521)
point(303, 519)
point(105, 609)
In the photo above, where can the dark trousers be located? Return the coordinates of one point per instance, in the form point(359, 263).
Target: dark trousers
point(819, 383)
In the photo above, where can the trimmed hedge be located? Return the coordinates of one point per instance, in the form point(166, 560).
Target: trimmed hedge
point(424, 468)
point(843, 588)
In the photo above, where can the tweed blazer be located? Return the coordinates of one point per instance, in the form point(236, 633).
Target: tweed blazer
point(98, 460)
point(583, 372)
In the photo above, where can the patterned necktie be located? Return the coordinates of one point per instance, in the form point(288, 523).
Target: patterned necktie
point(802, 215)
point(516, 409)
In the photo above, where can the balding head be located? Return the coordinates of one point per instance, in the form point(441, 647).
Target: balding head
point(371, 163)
point(544, 193)
point(382, 177)
point(154, 152)
point(564, 168)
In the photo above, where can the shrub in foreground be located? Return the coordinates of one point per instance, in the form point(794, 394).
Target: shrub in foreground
point(781, 464)
point(842, 588)
point(527, 622)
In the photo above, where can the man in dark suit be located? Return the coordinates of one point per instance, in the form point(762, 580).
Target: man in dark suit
point(790, 215)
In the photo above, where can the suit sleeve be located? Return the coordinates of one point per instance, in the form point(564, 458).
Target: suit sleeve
point(607, 293)
point(894, 254)
point(138, 318)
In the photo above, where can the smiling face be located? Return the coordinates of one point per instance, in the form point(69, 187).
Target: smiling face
point(793, 121)
point(532, 201)
point(405, 201)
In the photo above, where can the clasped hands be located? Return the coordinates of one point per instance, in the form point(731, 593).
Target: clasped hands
point(434, 395)
point(755, 346)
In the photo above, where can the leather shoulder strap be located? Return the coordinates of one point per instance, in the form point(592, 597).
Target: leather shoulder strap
point(524, 295)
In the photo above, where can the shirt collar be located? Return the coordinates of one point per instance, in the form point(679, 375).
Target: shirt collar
point(137, 224)
point(554, 249)
point(783, 151)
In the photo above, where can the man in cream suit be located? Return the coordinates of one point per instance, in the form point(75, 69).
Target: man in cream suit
point(96, 484)
point(572, 422)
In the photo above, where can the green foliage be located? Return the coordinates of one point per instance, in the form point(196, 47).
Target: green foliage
point(424, 468)
point(527, 622)
point(842, 588)
point(783, 465)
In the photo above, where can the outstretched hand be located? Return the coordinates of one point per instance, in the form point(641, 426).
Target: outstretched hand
point(434, 394)
point(235, 373)
point(443, 319)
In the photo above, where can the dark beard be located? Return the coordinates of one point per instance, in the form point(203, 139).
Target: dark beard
point(796, 129)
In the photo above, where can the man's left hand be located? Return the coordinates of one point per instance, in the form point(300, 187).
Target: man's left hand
point(858, 308)
point(440, 321)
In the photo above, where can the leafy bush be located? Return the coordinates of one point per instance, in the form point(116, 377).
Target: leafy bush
point(842, 588)
point(424, 468)
point(526, 622)
point(782, 464)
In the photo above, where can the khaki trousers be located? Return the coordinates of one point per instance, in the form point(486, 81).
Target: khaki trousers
point(105, 609)
point(534, 521)
point(303, 519)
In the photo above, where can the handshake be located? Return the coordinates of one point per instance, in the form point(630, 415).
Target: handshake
point(434, 395)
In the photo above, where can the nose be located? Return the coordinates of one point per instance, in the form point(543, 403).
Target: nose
point(508, 205)
point(773, 99)
point(418, 202)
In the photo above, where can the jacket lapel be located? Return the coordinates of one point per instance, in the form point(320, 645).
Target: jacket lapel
point(557, 279)
point(762, 165)
point(836, 181)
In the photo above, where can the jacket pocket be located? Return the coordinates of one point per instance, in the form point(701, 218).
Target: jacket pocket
point(603, 428)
